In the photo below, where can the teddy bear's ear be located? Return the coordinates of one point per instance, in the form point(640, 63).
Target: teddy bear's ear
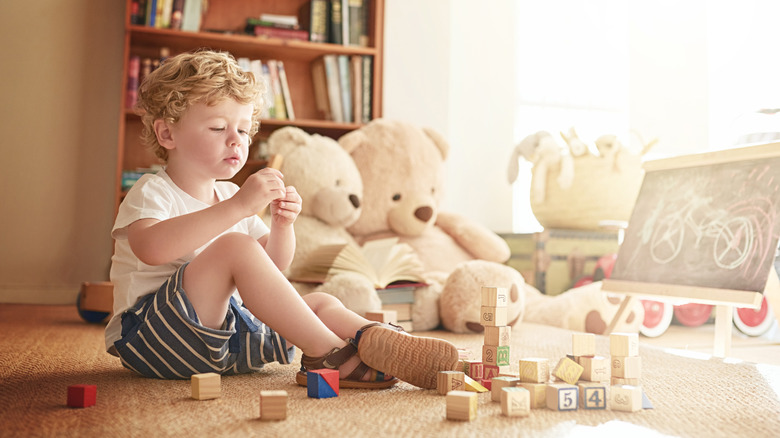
point(284, 139)
point(439, 141)
point(352, 140)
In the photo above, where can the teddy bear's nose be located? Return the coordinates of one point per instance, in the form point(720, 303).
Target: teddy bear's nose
point(424, 213)
point(354, 200)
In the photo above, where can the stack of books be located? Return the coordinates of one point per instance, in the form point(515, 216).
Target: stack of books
point(168, 14)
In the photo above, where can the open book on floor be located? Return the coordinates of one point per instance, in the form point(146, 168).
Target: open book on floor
point(382, 261)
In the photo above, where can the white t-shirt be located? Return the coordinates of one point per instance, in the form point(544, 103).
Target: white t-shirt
point(156, 196)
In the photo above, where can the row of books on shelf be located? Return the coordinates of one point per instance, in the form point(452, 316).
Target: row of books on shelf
point(343, 87)
point(277, 100)
point(324, 21)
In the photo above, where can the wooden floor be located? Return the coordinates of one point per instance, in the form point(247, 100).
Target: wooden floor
point(699, 342)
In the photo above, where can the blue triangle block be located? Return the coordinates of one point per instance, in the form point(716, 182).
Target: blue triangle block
point(318, 387)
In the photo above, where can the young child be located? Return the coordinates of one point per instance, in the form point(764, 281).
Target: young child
point(197, 275)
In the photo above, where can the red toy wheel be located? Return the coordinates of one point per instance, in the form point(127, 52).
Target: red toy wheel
point(658, 316)
point(693, 314)
point(754, 322)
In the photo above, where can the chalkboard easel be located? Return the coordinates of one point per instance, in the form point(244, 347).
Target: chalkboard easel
point(705, 229)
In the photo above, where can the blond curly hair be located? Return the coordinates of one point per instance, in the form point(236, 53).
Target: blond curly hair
point(203, 76)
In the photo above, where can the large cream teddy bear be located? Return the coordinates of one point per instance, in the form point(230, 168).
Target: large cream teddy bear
point(402, 168)
point(327, 179)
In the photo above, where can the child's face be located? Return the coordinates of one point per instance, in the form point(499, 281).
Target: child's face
point(212, 140)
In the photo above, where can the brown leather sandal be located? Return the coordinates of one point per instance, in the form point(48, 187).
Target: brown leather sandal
point(334, 360)
point(413, 359)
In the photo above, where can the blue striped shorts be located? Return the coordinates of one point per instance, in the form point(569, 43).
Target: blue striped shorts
point(163, 338)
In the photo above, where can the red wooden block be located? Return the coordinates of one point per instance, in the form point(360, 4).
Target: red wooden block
point(82, 396)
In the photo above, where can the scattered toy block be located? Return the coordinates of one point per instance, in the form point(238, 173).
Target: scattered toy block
point(593, 395)
point(568, 371)
point(625, 398)
point(493, 316)
point(493, 355)
point(475, 369)
point(515, 401)
point(495, 296)
point(595, 368)
point(206, 386)
point(623, 381)
point(97, 296)
point(624, 344)
point(627, 367)
point(498, 335)
point(322, 383)
point(473, 386)
point(461, 405)
point(562, 397)
point(488, 384)
point(538, 393)
point(583, 344)
point(447, 381)
point(500, 383)
point(491, 371)
point(386, 316)
point(534, 370)
point(273, 405)
point(82, 396)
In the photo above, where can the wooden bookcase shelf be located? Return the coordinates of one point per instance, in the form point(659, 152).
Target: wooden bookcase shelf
point(221, 30)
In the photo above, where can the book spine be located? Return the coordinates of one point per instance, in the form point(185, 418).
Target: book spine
point(278, 32)
point(138, 12)
point(356, 68)
point(151, 12)
point(288, 105)
point(191, 16)
point(358, 35)
point(334, 88)
point(273, 68)
point(270, 99)
point(320, 86)
point(176, 14)
point(345, 22)
point(368, 81)
point(336, 22)
point(318, 21)
point(133, 72)
point(346, 88)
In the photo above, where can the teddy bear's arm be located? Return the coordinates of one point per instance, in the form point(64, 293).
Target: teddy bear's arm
point(481, 242)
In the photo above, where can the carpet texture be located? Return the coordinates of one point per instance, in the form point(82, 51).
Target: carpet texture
point(44, 349)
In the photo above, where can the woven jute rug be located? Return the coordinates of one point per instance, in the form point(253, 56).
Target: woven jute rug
point(44, 349)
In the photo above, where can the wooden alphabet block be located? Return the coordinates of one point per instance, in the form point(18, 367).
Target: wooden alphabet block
point(593, 395)
point(273, 405)
point(498, 356)
point(623, 381)
point(499, 383)
point(562, 397)
point(447, 381)
point(568, 371)
point(322, 383)
point(475, 369)
point(461, 405)
point(473, 386)
point(495, 296)
point(82, 396)
point(386, 316)
point(624, 344)
point(538, 393)
point(534, 370)
point(498, 335)
point(627, 367)
point(206, 386)
point(583, 344)
point(625, 398)
point(491, 371)
point(595, 368)
point(493, 316)
point(515, 401)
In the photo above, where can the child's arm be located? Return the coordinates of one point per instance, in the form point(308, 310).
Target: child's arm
point(280, 242)
point(157, 242)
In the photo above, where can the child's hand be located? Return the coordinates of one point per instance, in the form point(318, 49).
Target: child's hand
point(260, 189)
point(285, 210)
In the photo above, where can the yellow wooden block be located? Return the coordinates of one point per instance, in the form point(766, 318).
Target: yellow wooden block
point(499, 383)
point(534, 370)
point(568, 370)
point(595, 368)
point(206, 386)
point(273, 405)
point(625, 398)
point(473, 386)
point(515, 401)
point(538, 394)
point(461, 405)
point(624, 344)
point(447, 381)
point(495, 296)
point(498, 335)
point(627, 367)
point(583, 344)
point(493, 316)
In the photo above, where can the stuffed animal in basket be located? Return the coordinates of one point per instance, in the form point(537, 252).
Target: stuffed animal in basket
point(327, 179)
point(402, 167)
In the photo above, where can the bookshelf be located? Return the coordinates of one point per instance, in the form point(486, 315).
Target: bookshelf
point(222, 28)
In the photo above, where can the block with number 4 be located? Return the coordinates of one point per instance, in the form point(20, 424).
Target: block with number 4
point(593, 395)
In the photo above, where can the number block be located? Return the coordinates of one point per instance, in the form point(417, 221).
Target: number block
point(538, 393)
point(515, 402)
point(82, 396)
point(493, 316)
point(495, 296)
point(447, 381)
point(500, 383)
point(206, 386)
point(593, 395)
point(534, 370)
point(562, 397)
point(625, 398)
point(627, 367)
point(322, 383)
point(595, 368)
point(498, 356)
point(461, 405)
point(568, 370)
point(273, 405)
point(624, 344)
point(498, 335)
point(583, 344)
